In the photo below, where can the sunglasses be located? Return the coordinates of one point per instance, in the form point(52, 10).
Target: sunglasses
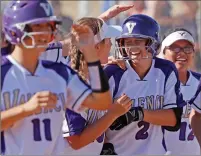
point(187, 50)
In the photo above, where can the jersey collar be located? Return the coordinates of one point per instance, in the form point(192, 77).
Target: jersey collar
point(149, 73)
point(40, 70)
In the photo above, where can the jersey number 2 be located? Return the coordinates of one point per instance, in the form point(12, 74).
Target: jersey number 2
point(142, 134)
point(37, 132)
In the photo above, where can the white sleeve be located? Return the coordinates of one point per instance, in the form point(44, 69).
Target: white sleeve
point(172, 97)
point(54, 55)
point(77, 92)
point(53, 52)
point(196, 100)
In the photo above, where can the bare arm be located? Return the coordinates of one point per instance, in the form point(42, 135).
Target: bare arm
point(93, 131)
point(12, 115)
point(160, 117)
point(195, 120)
point(114, 11)
point(102, 101)
point(100, 97)
point(41, 99)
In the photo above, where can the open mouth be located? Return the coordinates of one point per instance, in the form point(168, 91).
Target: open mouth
point(135, 55)
point(181, 60)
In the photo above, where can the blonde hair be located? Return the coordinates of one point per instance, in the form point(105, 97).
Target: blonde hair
point(78, 62)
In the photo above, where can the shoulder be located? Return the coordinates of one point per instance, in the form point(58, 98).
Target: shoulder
point(54, 45)
point(5, 66)
point(196, 75)
point(166, 66)
point(61, 69)
point(112, 70)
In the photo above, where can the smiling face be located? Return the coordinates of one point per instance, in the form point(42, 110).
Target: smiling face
point(181, 53)
point(41, 39)
point(136, 49)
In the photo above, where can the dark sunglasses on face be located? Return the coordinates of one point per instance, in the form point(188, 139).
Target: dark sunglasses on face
point(187, 50)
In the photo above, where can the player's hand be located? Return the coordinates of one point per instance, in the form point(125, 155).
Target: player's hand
point(120, 63)
point(114, 11)
point(120, 106)
point(134, 114)
point(43, 99)
point(83, 38)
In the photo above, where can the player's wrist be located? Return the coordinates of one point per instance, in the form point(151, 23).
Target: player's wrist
point(137, 113)
point(98, 79)
point(26, 110)
point(112, 115)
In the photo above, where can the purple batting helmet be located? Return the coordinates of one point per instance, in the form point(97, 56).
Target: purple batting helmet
point(19, 13)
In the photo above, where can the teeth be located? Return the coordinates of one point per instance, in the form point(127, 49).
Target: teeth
point(135, 53)
point(181, 60)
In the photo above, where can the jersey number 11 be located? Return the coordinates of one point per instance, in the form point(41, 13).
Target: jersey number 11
point(36, 129)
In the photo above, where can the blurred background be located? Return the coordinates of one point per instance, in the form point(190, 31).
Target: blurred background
point(169, 14)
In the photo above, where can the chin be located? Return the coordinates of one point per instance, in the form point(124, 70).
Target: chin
point(104, 61)
point(181, 68)
point(136, 61)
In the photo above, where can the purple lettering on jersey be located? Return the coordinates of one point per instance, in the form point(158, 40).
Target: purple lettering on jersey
point(190, 135)
point(182, 133)
point(36, 130)
point(76, 122)
point(100, 138)
point(142, 134)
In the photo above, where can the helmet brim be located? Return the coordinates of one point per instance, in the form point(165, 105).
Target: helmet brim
point(127, 35)
point(43, 20)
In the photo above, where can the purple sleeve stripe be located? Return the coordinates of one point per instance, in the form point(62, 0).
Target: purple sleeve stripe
point(75, 121)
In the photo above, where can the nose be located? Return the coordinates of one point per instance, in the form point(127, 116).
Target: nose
point(181, 53)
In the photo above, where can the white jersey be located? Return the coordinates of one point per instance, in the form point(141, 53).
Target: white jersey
point(158, 90)
point(183, 141)
point(75, 123)
point(40, 133)
point(196, 100)
point(54, 53)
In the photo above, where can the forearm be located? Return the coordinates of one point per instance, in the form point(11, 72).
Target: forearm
point(92, 132)
point(195, 119)
point(103, 101)
point(100, 98)
point(160, 117)
point(12, 115)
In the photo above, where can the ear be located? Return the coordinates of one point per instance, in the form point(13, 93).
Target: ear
point(97, 46)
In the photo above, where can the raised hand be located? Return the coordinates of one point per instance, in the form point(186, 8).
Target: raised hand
point(120, 63)
point(83, 38)
point(114, 11)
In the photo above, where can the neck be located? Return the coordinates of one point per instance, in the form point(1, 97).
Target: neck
point(142, 68)
point(28, 58)
point(183, 76)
